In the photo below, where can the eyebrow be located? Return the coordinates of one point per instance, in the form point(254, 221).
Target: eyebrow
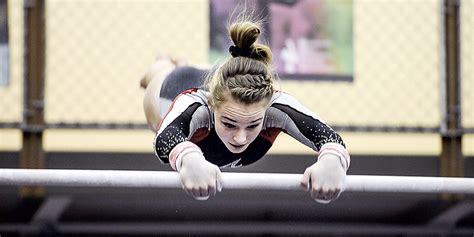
point(232, 120)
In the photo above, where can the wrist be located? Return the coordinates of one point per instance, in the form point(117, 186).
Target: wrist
point(188, 157)
point(180, 150)
point(336, 150)
point(331, 160)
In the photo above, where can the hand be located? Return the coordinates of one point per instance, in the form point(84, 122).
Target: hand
point(199, 178)
point(325, 179)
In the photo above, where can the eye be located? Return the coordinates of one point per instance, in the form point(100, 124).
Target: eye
point(253, 126)
point(228, 125)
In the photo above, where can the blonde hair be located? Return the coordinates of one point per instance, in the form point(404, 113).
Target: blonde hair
point(247, 75)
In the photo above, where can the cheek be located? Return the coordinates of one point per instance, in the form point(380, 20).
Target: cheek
point(222, 132)
point(254, 133)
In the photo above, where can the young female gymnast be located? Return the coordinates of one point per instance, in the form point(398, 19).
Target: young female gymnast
point(231, 115)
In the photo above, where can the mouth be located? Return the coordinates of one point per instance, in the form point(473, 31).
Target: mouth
point(236, 146)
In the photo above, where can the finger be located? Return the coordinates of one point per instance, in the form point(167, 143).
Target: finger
point(327, 192)
point(305, 180)
point(203, 191)
point(316, 189)
point(331, 195)
point(212, 190)
point(316, 192)
point(219, 180)
point(187, 189)
point(337, 194)
point(324, 193)
point(196, 192)
point(188, 192)
point(322, 197)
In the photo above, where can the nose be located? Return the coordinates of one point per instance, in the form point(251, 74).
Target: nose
point(240, 137)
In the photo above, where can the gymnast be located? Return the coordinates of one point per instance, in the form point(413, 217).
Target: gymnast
point(229, 116)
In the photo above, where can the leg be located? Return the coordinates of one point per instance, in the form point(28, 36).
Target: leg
point(180, 79)
point(163, 82)
point(152, 82)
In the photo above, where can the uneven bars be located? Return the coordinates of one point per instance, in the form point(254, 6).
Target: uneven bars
point(230, 180)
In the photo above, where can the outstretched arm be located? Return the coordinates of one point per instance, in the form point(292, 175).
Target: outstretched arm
point(326, 178)
point(199, 177)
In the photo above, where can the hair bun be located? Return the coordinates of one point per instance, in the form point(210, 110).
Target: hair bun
point(236, 52)
point(244, 34)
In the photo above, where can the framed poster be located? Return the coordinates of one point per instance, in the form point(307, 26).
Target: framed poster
point(310, 39)
point(3, 43)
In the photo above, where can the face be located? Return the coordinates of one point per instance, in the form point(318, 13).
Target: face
point(238, 124)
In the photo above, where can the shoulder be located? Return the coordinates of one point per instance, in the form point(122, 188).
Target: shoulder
point(191, 96)
point(280, 97)
point(190, 104)
point(285, 103)
point(188, 98)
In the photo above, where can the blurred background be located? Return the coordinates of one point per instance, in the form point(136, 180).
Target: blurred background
point(401, 96)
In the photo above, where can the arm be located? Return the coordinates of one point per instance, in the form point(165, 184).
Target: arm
point(199, 177)
point(326, 178)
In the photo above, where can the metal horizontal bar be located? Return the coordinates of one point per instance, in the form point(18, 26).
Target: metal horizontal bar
point(230, 180)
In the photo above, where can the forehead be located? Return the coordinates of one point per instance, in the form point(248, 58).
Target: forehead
point(241, 112)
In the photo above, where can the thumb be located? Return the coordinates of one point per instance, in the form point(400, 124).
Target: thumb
point(218, 180)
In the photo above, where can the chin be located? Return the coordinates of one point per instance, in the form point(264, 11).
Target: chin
point(236, 151)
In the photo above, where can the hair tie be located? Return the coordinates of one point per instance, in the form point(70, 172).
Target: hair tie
point(236, 52)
